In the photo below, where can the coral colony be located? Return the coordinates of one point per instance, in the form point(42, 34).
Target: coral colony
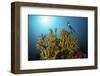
point(65, 46)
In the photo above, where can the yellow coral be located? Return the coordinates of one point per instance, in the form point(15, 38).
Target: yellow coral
point(50, 46)
point(68, 42)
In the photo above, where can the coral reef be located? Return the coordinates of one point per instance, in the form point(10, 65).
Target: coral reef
point(64, 47)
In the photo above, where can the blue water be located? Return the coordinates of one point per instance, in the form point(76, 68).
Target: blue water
point(38, 24)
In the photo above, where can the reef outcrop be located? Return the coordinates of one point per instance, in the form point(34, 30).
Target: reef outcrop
point(64, 46)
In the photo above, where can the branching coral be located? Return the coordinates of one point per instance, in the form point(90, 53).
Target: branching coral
point(48, 46)
point(68, 42)
point(51, 45)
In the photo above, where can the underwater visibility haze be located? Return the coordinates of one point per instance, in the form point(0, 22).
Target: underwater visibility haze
point(58, 27)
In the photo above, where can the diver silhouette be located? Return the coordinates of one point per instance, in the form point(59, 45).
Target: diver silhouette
point(70, 28)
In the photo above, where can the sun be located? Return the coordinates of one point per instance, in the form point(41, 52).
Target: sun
point(45, 20)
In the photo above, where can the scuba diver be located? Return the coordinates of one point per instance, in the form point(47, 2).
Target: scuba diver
point(70, 28)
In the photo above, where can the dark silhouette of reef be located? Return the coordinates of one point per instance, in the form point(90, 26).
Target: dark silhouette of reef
point(65, 46)
point(68, 55)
